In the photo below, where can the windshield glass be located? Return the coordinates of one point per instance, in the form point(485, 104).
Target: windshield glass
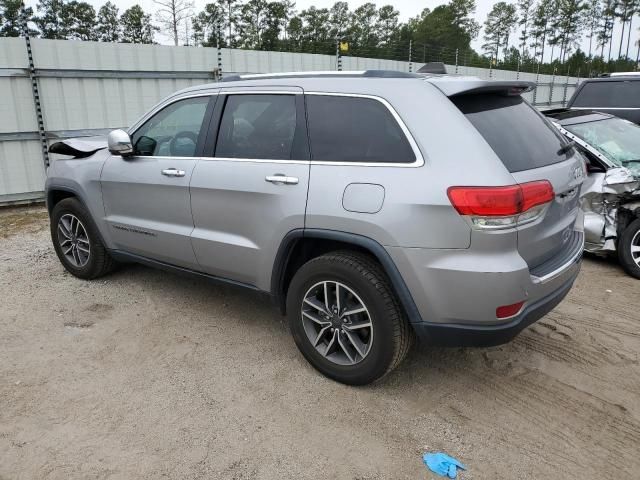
point(615, 138)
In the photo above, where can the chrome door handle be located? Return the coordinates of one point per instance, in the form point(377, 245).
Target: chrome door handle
point(173, 172)
point(280, 179)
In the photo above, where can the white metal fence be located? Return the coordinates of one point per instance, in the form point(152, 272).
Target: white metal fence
point(88, 88)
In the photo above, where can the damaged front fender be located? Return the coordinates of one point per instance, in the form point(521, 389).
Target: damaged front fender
point(603, 196)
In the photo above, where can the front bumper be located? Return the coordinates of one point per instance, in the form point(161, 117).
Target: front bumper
point(456, 335)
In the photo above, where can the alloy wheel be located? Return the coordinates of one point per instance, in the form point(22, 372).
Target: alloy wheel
point(635, 248)
point(337, 323)
point(73, 240)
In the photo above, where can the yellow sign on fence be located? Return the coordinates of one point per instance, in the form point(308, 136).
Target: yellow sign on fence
point(344, 46)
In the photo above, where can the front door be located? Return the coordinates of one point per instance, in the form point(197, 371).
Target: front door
point(146, 196)
point(252, 190)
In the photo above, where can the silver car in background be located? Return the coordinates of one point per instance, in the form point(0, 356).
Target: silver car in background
point(373, 207)
point(611, 193)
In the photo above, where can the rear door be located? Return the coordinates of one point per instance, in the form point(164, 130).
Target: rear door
point(617, 97)
point(531, 149)
point(250, 190)
point(146, 196)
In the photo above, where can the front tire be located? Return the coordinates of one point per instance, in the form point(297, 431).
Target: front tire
point(76, 241)
point(345, 318)
point(629, 249)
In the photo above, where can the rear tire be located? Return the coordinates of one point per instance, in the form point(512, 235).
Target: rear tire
point(367, 344)
point(76, 241)
point(629, 249)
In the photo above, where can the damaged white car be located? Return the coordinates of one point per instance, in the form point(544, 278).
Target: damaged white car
point(610, 197)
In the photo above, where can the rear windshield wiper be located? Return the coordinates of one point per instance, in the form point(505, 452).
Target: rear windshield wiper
point(565, 148)
point(635, 160)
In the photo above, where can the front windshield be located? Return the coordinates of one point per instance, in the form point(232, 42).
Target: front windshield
point(615, 138)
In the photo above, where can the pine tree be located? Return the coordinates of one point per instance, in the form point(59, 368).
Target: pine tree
point(10, 18)
point(592, 19)
point(525, 8)
point(51, 20)
point(501, 20)
point(80, 19)
point(137, 26)
point(109, 28)
point(541, 27)
point(605, 30)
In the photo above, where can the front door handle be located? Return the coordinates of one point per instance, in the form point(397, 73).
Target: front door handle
point(281, 179)
point(173, 172)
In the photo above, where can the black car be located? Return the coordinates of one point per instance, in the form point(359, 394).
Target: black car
point(617, 94)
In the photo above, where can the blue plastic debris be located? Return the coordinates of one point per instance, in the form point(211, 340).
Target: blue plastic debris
point(442, 464)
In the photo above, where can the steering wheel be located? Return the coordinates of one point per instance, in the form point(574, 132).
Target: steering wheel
point(185, 134)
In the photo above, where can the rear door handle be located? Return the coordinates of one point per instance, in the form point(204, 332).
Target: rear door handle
point(173, 172)
point(281, 179)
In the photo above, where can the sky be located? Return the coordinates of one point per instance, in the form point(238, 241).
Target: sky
point(407, 9)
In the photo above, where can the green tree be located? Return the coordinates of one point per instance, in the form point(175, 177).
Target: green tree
point(51, 20)
point(80, 19)
point(438, 30)
point(525, 9)
point(295, 33)
point(462, 11)
point(275, 24)
point(605, 29)
point(568, 24)
point(10, 21)
point(501, 20)
point(540, 27)
point(315, 30)
point(137, 26)
point(208, 24)
point(230, 14)
point(626, 10)
point(592, 18)
point(338, 20)
point(109, 28)
point(252, 23)
point(386, 27)
point(362, 28)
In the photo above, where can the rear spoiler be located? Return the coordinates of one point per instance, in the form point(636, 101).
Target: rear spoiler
point(453, 87)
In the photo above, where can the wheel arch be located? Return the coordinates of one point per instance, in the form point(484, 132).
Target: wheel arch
point(55, 194)
point(301, 245)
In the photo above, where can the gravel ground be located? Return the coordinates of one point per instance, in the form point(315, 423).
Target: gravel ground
point(143, 374)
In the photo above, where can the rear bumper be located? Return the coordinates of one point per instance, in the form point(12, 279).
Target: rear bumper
point(457, 292)
point(456, 335)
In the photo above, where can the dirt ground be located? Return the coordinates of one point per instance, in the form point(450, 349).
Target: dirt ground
point(143, 374)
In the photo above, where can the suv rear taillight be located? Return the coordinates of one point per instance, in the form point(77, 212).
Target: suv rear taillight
point(490, 208)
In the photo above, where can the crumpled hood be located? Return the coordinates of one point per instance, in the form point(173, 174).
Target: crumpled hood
point(79, 147)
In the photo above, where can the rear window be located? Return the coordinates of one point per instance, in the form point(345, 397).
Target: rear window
point(355, 129)
point(520, 136)
point(609, 94)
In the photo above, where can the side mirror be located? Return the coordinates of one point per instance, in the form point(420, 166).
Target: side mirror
point(119, 143)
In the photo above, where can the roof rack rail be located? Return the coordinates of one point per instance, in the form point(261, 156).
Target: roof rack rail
point(311, 74)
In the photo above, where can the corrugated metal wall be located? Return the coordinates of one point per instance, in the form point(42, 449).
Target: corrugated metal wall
point(88, 88)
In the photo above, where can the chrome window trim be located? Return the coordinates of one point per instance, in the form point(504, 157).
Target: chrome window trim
point(170, 101)
point(226, 91)
point(605, 108)
point(419, 161)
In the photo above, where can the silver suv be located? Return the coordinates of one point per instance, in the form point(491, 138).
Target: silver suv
point(372, 207)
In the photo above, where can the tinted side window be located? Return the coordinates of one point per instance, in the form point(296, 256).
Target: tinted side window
point(520, 136)
point(616, 94)
point(173, 131)
point(257, 126)
point(353, 129)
